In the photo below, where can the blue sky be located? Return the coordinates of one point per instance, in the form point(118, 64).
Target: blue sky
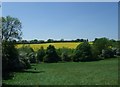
point(57, 20)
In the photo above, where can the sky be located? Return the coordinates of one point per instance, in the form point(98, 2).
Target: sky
point(65, 20)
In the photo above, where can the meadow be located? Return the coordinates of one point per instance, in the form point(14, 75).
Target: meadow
point(35, 47)
point(104, 72)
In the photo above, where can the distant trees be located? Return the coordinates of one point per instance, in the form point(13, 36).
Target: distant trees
point(35, 41)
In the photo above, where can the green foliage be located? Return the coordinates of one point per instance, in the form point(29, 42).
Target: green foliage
point(118, 48)
point(100, 44)
point(24, 60)
point(10, 59)
point(40, 54)
point(65, 54)
point(28, 52)
point(11, 28)
point(51, 55)
point(95, 53)
point(9, 55)
point(107, 53)
point(65, 57)
point(32, 57)
point(83, 52)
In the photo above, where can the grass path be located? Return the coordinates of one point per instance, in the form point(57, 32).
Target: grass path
point(104, 72)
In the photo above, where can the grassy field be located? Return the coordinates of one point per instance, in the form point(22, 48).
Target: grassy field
point(104, 72)
point(57, 45)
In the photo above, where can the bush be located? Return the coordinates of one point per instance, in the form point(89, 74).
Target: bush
point(32, 57)
point(95, 54)
point(107, 53)
point(24, 60)
point(65, 57)
point(65, 52)
point(83, 52)
point(9, 56)
point(28, 52)
point(100, 44)
point(40, 54)
point(51, 55)
point(118, 52)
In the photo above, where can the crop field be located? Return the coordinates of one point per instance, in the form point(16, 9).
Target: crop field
point(35, 47)
point(104, 72)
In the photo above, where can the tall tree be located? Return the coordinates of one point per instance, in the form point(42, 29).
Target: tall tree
point(11, 28)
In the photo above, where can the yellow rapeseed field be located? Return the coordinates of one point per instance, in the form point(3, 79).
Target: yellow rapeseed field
point(57, 45)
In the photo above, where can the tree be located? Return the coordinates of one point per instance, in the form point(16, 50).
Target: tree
point(40, 54)
point(100, 44)
point(83, 52)
point(51, 55)
point(50, 40)
point(11, 28)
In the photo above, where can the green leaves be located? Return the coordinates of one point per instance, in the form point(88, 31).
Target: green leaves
point(83, 52)
point(11, 28)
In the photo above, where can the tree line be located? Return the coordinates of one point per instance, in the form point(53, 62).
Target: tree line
point(14, 59)
point(35, 41)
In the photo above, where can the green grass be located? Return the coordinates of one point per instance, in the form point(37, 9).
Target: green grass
point(104, 72)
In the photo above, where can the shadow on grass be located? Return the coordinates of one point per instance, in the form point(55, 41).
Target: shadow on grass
point(31, 71)
point(11, 74)
point(7, 75)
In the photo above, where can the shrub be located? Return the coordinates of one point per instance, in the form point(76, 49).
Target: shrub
point(95, 53)
point(9, 56)
point(28, 52)
point(118, 52)
point(10, 59)
point(51, 55)
point(83, 52)
point(40, 54)
point(65, 57)
point(24, 60)
point(32, 57)
point(107, 53)
point(100, 44)
point(65, 52)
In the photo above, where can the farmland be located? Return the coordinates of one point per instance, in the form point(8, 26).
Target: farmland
point(104, 72)
point(35, 47)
